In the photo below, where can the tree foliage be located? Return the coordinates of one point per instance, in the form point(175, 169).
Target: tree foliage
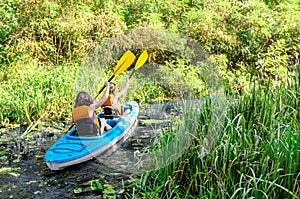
point(261, 38)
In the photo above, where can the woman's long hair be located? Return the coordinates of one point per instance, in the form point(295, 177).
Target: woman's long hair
point(83, 98)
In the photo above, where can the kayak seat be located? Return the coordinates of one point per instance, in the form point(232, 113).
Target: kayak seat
point(109, 113)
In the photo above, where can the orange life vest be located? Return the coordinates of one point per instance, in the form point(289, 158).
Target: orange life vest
point(86, 125)
point(109, 100)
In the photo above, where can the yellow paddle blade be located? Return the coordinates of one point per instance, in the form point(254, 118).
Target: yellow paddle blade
point(122, 59)
point(141, 60)
point(125, 62)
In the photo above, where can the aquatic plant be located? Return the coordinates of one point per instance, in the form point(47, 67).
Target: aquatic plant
point(256, 154)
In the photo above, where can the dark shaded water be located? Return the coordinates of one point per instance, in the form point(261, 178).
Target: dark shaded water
point(24, 174)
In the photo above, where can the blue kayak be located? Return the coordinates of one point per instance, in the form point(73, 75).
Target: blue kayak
point(72, 149)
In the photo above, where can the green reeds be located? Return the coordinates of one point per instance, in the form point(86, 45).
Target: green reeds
point(256, 154)
point(31, 92)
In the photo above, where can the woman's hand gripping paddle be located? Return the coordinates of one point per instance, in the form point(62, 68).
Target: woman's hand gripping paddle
point(125, 62)
point(140, 62)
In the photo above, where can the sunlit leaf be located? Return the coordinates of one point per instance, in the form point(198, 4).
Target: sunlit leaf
point(96, 185)
point(109, 190)
point(77, 191)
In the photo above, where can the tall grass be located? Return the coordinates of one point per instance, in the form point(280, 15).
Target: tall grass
point(256, 155)
point(33, 91)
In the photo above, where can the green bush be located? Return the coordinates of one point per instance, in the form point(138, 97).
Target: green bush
point(253, 36)
point(36, 93)
point(8, 25)
point(260, 38)
point(56, 32)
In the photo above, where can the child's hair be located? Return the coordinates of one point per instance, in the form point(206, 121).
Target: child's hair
point(112, 89)
point(83, 98)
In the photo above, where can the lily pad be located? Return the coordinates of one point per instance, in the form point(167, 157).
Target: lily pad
point(16, 160)
point(109, 190)
point(9, 171)
point(77, 191)
point(96, 186)
point(5, 170)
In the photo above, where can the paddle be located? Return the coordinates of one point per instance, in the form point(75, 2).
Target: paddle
point(125, 61)
point(140, 62)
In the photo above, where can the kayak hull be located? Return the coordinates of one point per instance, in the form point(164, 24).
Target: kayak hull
point(72, 149)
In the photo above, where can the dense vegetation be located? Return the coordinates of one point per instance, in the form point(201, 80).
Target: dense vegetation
point(255, 155)
point(242, 37)
point(254, 44)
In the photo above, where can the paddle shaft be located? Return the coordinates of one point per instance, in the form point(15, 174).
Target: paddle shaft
point(69, 128)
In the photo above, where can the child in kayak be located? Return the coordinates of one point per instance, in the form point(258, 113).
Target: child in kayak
point(111, 104)
point(84, 116)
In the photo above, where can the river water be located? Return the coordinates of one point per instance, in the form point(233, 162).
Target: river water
point(24, 174)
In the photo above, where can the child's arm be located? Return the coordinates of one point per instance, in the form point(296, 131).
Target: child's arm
point(121, 92)
point(103, 99)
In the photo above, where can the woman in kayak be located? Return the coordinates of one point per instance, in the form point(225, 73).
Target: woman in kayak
point(111, 104)
point(84, 116)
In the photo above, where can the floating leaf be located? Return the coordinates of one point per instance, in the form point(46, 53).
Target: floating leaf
point(36, 192)
point(102, 176)
point(9, 171)
point(30, 182)
point(77, 191)
point(14, 174)
point(109, 190)
point(5, 170)
point(96, 185)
